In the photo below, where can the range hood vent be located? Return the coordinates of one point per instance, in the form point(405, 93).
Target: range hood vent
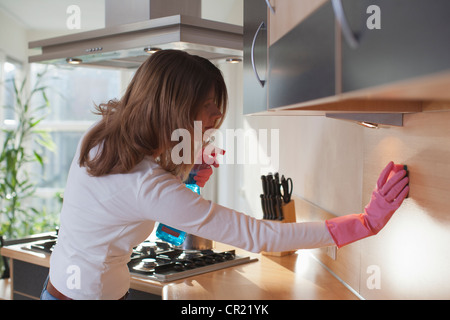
point(128, 45)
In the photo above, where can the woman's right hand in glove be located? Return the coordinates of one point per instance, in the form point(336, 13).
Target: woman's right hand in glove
point(392, 188)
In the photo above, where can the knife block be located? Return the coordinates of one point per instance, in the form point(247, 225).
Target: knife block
point(289, 217)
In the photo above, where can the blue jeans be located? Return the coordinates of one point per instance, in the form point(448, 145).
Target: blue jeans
point(45, 295)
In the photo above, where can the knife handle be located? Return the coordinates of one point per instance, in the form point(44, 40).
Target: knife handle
point(268, 208)
point(273, 208)
point(264, 184)
point(263, 206)
point(280, 208)
point(269, 181)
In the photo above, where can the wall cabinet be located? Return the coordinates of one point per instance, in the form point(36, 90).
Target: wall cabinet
point(411, 41)
point(346, 56)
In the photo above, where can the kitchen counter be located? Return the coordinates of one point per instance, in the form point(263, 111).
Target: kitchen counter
point(294, 277)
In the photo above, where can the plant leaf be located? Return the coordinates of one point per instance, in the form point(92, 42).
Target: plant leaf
point(38, 158)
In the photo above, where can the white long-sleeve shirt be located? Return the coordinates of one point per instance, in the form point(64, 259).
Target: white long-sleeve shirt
point(103, 218)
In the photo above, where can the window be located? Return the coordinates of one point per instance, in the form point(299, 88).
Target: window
point(72, 93)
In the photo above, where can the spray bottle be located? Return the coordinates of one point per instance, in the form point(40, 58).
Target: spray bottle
point(175, 236)
point(172, 235)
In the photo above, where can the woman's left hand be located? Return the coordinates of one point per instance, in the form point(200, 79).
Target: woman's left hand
point(203, 175)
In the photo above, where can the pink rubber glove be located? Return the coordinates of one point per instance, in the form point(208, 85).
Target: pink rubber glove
point(204, 170)
point(392, 188)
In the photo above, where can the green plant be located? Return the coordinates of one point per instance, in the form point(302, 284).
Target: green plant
point(16, 184)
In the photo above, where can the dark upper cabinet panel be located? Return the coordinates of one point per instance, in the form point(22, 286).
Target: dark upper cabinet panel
point(302, 63)
point(412, 40)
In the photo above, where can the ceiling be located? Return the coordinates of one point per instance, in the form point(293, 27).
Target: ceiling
point(52, 14)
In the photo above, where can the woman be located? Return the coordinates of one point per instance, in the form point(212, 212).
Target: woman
point(123, 179)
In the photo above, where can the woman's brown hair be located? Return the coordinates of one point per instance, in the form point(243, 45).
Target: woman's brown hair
point(165, 94)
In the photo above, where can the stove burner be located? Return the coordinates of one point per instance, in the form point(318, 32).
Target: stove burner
point(148, 248)
point(149, 263)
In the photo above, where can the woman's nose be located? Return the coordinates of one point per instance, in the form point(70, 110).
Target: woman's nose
point(216, 114)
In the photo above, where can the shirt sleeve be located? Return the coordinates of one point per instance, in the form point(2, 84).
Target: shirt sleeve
point(164, 199)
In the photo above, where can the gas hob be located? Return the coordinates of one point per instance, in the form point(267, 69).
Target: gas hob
point(162, 262)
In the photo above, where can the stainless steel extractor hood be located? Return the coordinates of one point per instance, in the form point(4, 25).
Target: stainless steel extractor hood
point(127, 45)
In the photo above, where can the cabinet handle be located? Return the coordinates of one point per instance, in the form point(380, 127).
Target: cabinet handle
point(262, 26)
point(349, 36)
point(270, 6)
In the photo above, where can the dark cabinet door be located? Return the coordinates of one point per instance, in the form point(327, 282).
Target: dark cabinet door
point(255, 56)
point(397, 40)
point(302, 62)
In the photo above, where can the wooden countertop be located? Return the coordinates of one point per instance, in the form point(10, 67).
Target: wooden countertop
point(298, 276)
point(294, 277)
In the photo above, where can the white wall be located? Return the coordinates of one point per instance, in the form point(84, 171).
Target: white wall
point(324, 157)
point(13, 38)
point(229, 11)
